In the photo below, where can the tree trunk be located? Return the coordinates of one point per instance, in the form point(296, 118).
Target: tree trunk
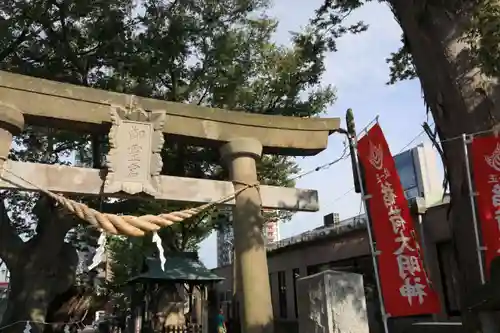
point(77, 304)
point(35, 283)
point(41, 269)
point(461, 100)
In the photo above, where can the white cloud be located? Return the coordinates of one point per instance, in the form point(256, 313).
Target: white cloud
point(361, 57)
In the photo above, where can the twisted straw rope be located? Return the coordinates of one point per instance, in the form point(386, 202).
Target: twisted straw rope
point(129, 225)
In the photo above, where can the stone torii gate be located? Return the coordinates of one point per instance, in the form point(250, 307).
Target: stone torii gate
point(136, 128)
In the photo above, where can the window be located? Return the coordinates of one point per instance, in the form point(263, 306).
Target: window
point(271, 283)
point(296, 275)
point(236, 309)
point(271, 289)
point(282, 294)
point(228, 309)
point(348, 265)
point(312, 269)
point(405, 166)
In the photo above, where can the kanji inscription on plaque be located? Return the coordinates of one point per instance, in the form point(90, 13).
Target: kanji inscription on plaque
point(134, 160)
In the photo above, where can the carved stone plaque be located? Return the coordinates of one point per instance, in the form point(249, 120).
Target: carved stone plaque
point(134, 160)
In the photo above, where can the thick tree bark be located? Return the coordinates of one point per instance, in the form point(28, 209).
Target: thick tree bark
point(40, 269)
point(461, 100)
point(77, 304)
point(10, 242)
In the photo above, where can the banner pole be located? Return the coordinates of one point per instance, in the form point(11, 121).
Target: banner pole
point(465, 141)
point(353, 142)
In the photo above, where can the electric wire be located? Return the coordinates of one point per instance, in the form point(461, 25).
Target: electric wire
point(400, 151)
point(345, 154)
point(454, 138)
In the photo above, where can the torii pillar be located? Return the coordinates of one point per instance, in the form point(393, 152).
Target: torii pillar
point(254, 292)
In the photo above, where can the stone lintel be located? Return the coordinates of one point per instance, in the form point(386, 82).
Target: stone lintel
point(77, 108)
point(72, 180)
point(11, 119)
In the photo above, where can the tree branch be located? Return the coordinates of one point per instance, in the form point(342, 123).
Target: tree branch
point(10, 242)
point(61, 42)
point(54, 222)
point(184, 237)
point(174, 90)
point(205, 93)
point(13, 45)
point(21, 38)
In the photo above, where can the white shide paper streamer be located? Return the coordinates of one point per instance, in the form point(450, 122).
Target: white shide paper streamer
point(161, 251)
point(99, 253)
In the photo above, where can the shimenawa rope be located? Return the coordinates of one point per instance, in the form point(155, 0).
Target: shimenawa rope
point(127, 224)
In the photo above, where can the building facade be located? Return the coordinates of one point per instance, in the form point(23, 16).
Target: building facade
point(345, 247)
point(271, 231)
point(225, 236)
point(418, 170)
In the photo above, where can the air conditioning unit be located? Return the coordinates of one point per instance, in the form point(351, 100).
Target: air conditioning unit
point(331, 219)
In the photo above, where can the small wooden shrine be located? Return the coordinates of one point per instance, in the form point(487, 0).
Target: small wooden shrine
point(173, 299)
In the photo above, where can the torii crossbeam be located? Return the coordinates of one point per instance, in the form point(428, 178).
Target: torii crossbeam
point(136, 128)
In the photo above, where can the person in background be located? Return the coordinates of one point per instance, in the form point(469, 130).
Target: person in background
point(221, 322)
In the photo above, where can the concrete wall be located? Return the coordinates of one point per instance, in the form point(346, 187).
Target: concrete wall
point(300, 257)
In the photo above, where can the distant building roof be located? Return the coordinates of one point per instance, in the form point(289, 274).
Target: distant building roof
point(343, 227)
point(340, 228)
point(179, 267)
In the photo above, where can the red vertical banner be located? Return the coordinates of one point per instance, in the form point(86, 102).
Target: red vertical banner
point(406, 288)
point(485, 155)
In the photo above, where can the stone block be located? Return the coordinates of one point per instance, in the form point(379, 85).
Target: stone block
point(332, 302)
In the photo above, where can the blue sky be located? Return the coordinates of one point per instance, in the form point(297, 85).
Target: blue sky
point(359, 72)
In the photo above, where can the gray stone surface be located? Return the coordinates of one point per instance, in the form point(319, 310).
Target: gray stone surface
point(71, 180)
point(55, 104)
point(332, 302)
point(134, 161)
point(253, 290)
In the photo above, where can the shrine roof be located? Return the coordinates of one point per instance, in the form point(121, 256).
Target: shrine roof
point(179, 267)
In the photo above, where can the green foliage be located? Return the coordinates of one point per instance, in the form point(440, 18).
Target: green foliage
point(330, 18)
point(483, 36)
point(329, 22)
point(211, 53)
point(401, 64)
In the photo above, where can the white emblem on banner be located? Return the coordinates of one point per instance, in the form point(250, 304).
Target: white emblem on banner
point(494, 159)
point(376, 156)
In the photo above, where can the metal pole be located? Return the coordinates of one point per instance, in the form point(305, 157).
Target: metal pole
point(473, 207)
point(234, 300)
point(423, 245)
point(354, 145)
point(422, 233)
